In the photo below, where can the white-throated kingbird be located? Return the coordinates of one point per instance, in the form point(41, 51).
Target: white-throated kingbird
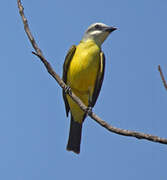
point(83, 72)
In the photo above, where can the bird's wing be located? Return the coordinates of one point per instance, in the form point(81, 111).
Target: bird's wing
point(67, 61)
point(99, 80)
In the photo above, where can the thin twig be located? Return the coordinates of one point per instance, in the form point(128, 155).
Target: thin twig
point(162, 76)
point(110, 128)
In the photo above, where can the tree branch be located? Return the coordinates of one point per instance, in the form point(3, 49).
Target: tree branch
point(110, 128)
point(162, 76)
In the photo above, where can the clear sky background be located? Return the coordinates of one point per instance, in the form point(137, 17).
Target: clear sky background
point(33, 126)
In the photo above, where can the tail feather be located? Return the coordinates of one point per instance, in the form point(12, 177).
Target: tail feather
point(74, 140)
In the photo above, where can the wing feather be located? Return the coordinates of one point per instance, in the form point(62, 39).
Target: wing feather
point(67, 61)
point(99, 80)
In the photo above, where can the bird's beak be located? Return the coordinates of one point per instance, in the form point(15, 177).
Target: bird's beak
point(110, 29)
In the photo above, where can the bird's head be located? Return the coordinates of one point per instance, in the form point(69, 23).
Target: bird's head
point(98, 32)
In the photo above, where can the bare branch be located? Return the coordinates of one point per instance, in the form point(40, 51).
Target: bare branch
point(162, 76)
point(110, 128)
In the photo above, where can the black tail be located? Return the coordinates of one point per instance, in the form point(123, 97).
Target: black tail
point(74, 139)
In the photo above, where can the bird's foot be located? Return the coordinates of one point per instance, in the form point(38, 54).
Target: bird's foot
point(89, 111)
point(68, 90)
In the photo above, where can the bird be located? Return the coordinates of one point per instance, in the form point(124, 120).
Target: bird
point(83, 73)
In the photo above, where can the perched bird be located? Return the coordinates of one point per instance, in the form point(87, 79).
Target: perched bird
point(83, 72)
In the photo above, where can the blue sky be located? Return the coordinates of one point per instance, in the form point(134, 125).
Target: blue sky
point(33, 126)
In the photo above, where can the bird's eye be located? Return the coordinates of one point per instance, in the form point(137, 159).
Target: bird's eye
point(97, 26)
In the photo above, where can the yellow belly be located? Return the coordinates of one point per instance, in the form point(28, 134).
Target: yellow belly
point(84, 66)
point(81, 76)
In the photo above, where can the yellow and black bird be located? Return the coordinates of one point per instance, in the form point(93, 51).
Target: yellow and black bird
point(83, 72)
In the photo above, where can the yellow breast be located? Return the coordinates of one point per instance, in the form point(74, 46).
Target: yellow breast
point(84, 66)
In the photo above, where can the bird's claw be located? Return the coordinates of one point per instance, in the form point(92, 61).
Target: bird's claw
point(89, 111)
point(67, 90)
